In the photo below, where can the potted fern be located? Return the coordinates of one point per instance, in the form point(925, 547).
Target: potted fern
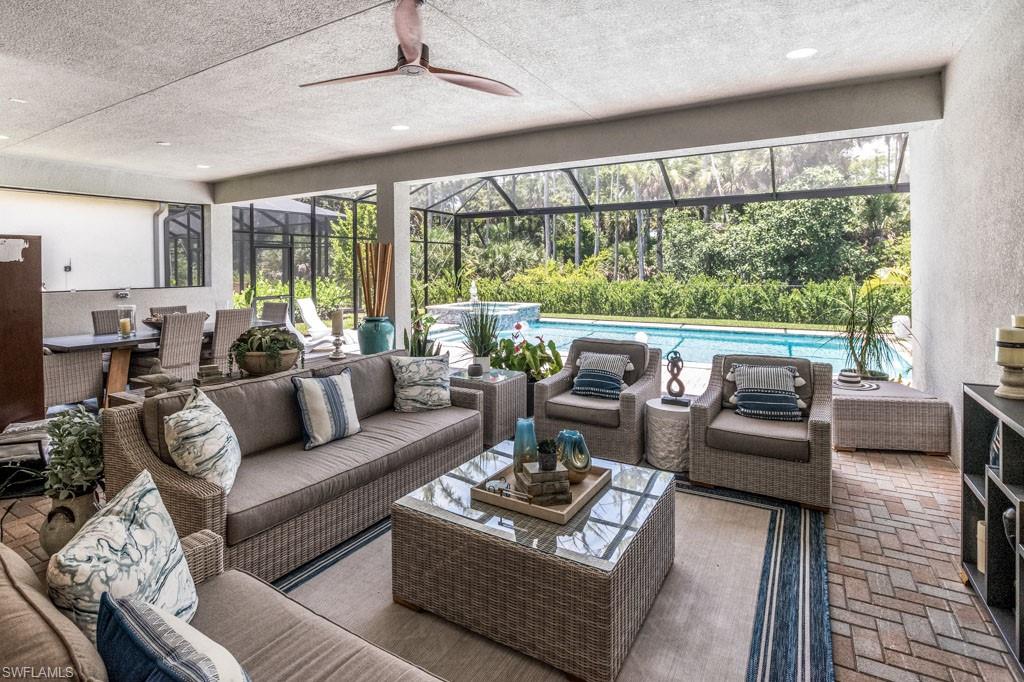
point(266, 350)
point(479, 326)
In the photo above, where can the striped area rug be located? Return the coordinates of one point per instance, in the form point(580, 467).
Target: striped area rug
point(791, 637)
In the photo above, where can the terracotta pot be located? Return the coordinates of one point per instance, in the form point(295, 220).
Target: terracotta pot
point(66, 518)
point(258, 363)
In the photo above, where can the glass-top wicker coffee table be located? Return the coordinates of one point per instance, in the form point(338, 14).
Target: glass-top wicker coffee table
point(573, 596)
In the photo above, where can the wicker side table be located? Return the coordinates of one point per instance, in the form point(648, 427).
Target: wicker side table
point(504, 400)
point(668, 435)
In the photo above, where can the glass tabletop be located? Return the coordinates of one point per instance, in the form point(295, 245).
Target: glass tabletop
point(492, 376)
point(597, 535)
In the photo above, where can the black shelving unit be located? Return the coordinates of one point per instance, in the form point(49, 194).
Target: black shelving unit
point(988, 491)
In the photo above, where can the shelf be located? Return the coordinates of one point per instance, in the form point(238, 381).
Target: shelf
point(976, 577)
point(976, 484)
point(1010, 412)
point(1005, 620)
point(1015, 493)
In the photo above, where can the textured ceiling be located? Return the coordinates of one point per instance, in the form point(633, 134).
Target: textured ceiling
point(106, 79)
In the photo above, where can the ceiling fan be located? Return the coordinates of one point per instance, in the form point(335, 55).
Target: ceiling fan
point(414, 58)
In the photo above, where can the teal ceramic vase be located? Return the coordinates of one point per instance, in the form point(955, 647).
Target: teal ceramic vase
point(573, 454)
point(376, 335)
point(525, 449)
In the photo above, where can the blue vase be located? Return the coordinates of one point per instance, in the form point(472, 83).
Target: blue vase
point(525, 449)
point(574, 454)
point(376, 335)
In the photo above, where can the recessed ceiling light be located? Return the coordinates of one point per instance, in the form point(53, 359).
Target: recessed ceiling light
point(400, 128)
point(164, 144)
point(802, 53)
point(201, 165)
point(19, 101)
point(4, 137)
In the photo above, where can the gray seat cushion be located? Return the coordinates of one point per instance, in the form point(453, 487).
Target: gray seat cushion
point(283, 482)
point(583, 409)
point(275, 638)
point(780, 440)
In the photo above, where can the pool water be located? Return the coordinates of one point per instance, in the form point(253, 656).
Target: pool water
point(699, 346)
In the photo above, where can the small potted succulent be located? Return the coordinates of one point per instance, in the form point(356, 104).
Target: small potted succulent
point(72, 475)
point(265, 350)
point(479, 326)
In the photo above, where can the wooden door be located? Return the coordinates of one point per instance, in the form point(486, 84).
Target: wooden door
point(21, 329)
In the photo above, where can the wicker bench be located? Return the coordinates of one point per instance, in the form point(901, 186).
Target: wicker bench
point(892, 417)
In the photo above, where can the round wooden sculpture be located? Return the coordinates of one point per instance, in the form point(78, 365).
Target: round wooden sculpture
point(675, 385)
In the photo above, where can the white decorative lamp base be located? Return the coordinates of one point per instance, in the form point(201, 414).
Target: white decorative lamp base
point(1010, 356)
point(337, 353)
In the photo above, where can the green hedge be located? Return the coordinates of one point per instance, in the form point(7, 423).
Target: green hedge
point(699, 297)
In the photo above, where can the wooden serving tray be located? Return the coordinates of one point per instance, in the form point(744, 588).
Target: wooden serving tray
point(582, 492)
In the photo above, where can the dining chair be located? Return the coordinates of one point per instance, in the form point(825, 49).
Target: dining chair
point(73, 377)
point(228, 325)
point(181, 342)
point(275, 311)
point(168, 310)
point(104, 322)
point(319, 333)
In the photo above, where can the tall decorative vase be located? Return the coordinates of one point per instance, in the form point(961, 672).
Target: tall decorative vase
point(574, 454)
point(376, 335)
point(525, 449)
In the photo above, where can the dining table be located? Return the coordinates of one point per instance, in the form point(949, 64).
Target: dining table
point(121, 347)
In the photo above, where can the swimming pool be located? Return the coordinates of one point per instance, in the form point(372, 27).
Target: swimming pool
point(699, 345)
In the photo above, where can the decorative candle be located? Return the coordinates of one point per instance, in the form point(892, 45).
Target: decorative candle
point(124, 325)
point(336, 326)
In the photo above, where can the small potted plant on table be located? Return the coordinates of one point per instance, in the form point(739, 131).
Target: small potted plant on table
point(538, 360)
point(72, 475)
point(266, 350)
point(480, 328)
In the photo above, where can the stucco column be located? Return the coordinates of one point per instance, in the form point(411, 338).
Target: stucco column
point(393, 226)
point(219, 258)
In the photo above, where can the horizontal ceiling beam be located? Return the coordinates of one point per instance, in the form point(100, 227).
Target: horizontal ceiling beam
point(891, 105)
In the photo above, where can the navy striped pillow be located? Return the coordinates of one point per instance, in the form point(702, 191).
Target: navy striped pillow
point(328, 408)
point(766, 392)
point(600, 375)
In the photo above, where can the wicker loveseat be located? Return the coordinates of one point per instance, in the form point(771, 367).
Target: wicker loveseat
point(613, 429)
point(271, 636)
point(787, 460)
point(289, 505)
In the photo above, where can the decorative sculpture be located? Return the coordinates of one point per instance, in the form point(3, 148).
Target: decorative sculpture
point(158, 380)
point(675, 385)
point(574, 454)
point(525, 448)
point(1010, 356)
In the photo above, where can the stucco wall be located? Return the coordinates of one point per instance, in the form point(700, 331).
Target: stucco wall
point(967, 208)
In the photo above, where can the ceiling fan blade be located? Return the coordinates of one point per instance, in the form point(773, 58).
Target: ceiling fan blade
point(409, 29)
point(352, 79)
point(468, 80)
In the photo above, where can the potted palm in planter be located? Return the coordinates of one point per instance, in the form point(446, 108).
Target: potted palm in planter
point(867, 330)
point(538, 360)
point(72, 475)
point(479, 326)
point(264, 351)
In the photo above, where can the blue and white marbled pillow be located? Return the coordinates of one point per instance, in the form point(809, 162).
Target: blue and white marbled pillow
point(202, 443)
point(421, 383)
point(129, 549)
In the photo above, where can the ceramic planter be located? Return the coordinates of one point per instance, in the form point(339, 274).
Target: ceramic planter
point(259, 363)
point(66, 518)
point(484, 361)
point(376, 335)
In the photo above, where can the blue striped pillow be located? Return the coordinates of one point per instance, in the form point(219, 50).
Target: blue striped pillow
point(766, 392)
point(600, 375)
point(328, 408)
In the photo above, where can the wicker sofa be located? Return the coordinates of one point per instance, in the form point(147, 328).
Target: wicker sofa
point(788, 460)
point(289, 505)
point(613, 429)
point(273, 637)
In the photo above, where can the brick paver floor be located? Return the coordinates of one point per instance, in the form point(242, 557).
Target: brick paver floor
point(899, 610)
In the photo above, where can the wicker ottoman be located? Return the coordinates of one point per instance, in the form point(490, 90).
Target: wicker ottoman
point(892, 417)
point(504, 400)
point(573, 596)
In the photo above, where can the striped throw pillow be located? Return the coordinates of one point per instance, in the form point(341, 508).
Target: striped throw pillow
point(766, 392)
point(328, 408)
point(600, 375)
point(202, 443)
point(138, 641)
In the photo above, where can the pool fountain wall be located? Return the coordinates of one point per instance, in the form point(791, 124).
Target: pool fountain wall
point(508, 313)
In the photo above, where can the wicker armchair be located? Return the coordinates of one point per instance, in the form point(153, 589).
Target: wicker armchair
point(613, 429)
point(787, 460)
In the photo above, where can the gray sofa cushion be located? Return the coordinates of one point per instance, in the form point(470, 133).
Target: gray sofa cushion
point(262, 411)
point(636, 351)
point(373, 382)
point(803, 367)
point(779, 440)
point(33, 632)
point(281, 483)
point(583, 409)
point(275, 638)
